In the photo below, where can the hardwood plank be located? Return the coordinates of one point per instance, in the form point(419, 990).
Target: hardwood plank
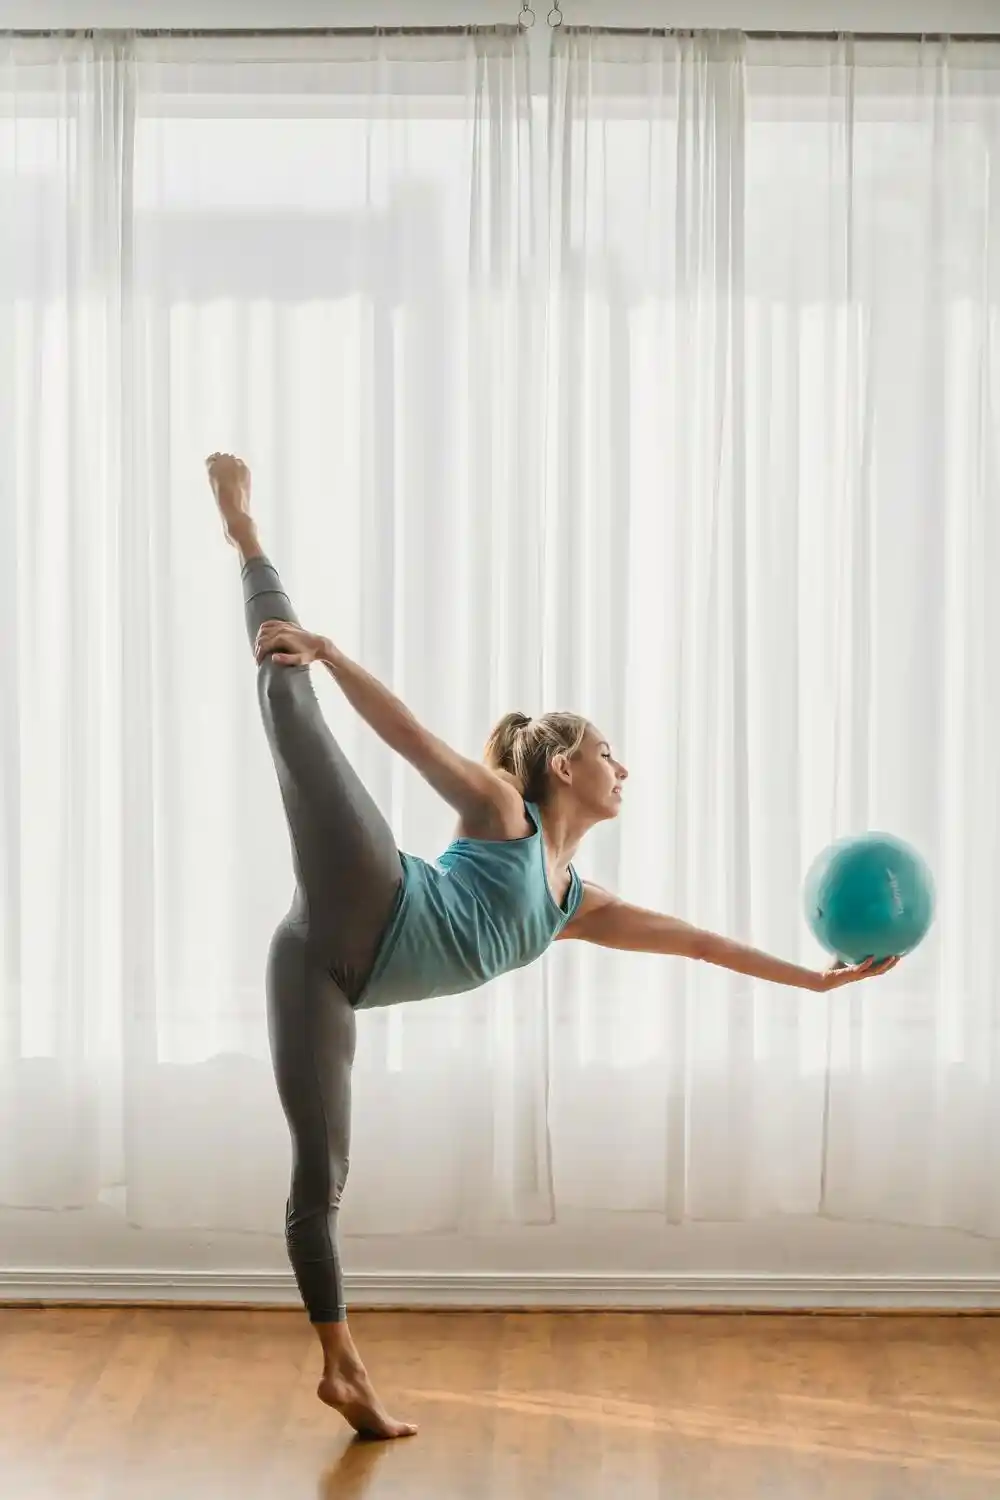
point(100, 1404)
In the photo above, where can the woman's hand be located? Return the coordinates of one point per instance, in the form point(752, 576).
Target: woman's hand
point(290, 645)
point(842, 974)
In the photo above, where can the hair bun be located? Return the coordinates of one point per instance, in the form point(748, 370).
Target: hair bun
point(527, 757)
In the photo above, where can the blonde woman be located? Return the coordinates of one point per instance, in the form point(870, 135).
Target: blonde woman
point(370, 925)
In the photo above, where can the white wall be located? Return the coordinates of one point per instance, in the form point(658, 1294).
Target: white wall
point(820, 15)
point(626, 1260)
point(70, 1253)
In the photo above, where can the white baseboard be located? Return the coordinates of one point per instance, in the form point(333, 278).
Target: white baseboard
point(513, 1290)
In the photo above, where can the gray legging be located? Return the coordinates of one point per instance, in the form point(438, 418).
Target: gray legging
point(348, 875)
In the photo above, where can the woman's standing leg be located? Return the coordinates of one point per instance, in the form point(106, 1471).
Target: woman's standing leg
point(349, 873)
point(312, 1029)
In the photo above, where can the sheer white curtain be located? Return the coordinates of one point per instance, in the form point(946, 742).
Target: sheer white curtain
point(64, 988)
point(774, 384)
point(324, 254)
point(678, 412)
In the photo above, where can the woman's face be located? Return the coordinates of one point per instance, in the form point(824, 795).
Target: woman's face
point(596, 779)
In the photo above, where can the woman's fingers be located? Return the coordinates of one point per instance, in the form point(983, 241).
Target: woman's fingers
point(843, 973)
point(847, 973)
point(870, 967)
point(264, 649)
point(871, 970)
point(289, 645)
point(270, 635)
point(890, 963)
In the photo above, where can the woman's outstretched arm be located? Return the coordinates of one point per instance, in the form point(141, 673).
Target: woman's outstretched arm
point(488, 805)
point(610, 923)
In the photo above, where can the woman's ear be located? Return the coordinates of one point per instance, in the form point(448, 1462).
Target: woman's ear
point(559, 765)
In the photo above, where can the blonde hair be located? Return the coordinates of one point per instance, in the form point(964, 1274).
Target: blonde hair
point(525, 748)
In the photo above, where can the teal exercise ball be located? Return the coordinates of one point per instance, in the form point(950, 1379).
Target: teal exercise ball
point(871, 896)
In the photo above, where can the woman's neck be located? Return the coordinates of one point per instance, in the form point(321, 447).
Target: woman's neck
point(564, 828)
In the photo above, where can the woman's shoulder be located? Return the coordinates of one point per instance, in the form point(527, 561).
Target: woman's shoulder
point(500, 818)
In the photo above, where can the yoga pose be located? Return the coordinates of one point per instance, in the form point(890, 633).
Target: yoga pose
point(371, 926)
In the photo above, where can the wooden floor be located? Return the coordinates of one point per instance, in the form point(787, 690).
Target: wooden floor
point(564, 1406)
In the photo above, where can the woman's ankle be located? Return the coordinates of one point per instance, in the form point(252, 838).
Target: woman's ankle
point(340, 1356)
point(244, 538)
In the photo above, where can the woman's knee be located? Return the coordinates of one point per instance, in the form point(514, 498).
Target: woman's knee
point(317, 1188)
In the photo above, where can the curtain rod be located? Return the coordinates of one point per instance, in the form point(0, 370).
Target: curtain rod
point(152, 33)
point(242, 32)
point(795, 36)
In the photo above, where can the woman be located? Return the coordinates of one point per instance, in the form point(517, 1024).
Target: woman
point(371, 926)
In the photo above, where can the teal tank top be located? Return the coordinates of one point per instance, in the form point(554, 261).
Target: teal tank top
point(483, 908)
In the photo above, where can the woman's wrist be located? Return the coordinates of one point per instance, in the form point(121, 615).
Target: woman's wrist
point(330, 655)
point(802, 979)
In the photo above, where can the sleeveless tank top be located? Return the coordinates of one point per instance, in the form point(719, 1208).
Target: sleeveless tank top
point(480, 910)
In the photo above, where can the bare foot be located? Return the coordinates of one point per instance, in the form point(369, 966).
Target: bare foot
point(230, 480)
point(351, 1393)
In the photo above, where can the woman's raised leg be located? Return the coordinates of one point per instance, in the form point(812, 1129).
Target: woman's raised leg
point(347, 863)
